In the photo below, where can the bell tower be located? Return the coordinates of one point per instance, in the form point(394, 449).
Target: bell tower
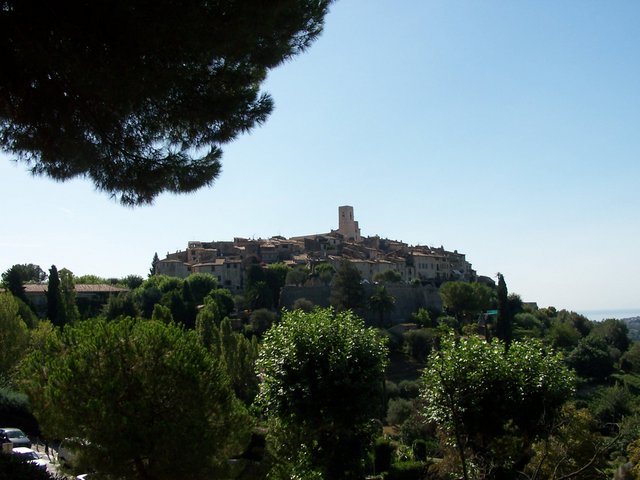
point(347, 226)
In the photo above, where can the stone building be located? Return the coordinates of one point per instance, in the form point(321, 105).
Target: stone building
point(371, 256)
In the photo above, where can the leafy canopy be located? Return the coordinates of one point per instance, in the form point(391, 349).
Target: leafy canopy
point(139, 96)
point(322, 375)
point(136, 391)
point(480, 393)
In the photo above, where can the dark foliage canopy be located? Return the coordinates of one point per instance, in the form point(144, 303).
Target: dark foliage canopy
point(139, 96)
point(26, 272)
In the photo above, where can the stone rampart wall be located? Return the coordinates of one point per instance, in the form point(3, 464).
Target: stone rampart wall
point(408, 299)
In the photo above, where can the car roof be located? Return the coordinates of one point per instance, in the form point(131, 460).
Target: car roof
point(10, 429)
point(22, 450)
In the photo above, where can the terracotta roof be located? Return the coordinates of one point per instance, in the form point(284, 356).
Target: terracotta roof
point(83, 288)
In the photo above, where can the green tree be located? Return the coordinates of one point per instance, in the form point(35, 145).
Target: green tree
point(275, 276)
point(68, 295)
point(239, 355)
point(325, 272)
point(465, 300)
point(132, 112)
point(55, 304)
point(303, 304)
point(260, 321)
point(504, 322)
point(91, 279)
point(382, 302)
point(527, 325)
point(154, 264)
point(296, 276)
point(347, 292)
point(27, 272)
point(161, 314)
point(153, 390)
point(201, 284)
point(591, 358)
point(614, 332)
point(13, 281)
point(14, 336)
point(458, 299)
point(422, 318)
point(120, 305)
point(225, 301)
point(482, 396)
point(322, 375)
point(573, 450)
point(130, 281)
point(581, 323)
point(388, 276)
point(419, 343)
point(563, 336)
point(630, 361)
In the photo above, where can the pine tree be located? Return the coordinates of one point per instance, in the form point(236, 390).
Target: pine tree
point(146, 110)
point(13, 281)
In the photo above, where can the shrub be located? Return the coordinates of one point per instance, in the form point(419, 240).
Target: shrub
point(419, 343)
point(260, 321)
point(449, 322)
point(409, 389)
point(303, 304)
point(399, 410)
point(613, 404)
point(15, 411)
point(415, 428)
point(419, 448)
point(411, 470)
point(383, 451)
point(392, 389)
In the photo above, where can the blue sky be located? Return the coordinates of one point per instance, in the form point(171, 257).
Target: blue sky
point(505, 130)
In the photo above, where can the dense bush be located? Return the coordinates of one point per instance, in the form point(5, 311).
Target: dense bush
point(260, 321)
point(383, 451)
point(409, 389)
point(416, 428)
point(399, 410)
point(630, 361)
point(391, 389)
point(411, 470)
point(420, 449)
point(612, 404)
point(419, 343)
point(591, 358)
point(16, 412)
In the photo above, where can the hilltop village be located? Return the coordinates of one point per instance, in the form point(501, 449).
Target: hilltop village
point(227, 260)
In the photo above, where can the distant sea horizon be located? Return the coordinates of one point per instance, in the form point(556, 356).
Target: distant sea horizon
point(598, 315)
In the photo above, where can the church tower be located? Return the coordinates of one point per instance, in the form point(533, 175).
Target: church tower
point(347, 226)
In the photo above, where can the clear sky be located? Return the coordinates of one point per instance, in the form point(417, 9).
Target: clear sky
point(507, 130)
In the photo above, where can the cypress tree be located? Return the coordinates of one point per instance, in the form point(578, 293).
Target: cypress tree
point(55, 305)
point(154, 264)
point(504, 322)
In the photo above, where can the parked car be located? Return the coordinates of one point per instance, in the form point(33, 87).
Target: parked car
point(17, 437)
point(30, 456)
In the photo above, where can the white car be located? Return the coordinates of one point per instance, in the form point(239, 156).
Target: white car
point(30, 456)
